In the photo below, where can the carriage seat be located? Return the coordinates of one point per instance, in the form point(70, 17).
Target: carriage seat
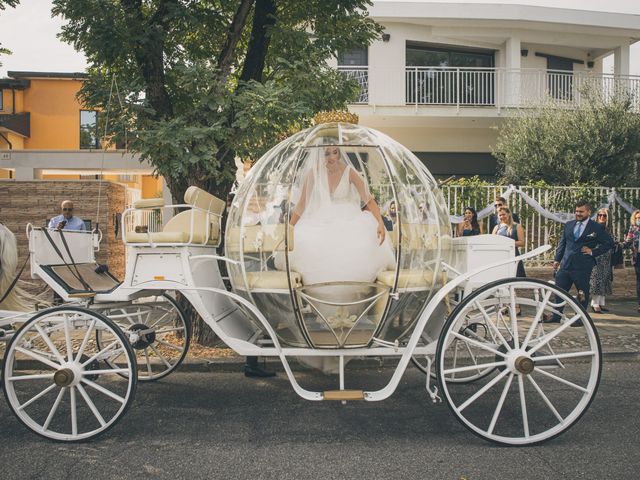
point(206, 221)
point(265, 242)
point(411, 279)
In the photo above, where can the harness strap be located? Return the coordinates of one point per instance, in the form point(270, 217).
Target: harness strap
point(57, 250)
point(73, 262)
point(15, 281)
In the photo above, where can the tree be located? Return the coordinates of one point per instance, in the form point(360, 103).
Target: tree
point(206, 81)
point(596, 143)
point(202, 82)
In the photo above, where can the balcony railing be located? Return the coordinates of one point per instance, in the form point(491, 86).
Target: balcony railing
point(361, 75)
point(501, 87)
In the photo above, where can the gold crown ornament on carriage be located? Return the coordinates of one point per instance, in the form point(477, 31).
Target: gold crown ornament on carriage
point(339, 234)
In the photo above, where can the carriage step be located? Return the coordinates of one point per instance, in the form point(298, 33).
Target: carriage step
point(343, 395)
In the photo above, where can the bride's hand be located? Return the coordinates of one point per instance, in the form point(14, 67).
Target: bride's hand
point(381, 232)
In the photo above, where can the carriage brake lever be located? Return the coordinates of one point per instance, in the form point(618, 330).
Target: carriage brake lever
point(432, 391)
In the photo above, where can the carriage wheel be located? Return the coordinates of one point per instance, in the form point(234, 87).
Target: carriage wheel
point(534, 380)
point(159, 332)
point(54, 377)
point(470, 328)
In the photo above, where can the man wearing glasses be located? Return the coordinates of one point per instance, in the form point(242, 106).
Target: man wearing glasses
point(498, 203)
point(66, 221)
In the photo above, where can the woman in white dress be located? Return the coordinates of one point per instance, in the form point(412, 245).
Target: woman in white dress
point(335, 239)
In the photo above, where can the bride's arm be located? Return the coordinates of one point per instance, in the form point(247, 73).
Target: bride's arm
point(302, 203)
point(370, 204)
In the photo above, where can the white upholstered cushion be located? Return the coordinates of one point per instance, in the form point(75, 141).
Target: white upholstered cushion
point(410, 278)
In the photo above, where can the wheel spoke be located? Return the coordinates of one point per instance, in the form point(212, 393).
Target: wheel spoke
point(103, 390)
point(106, 371)
point(53, 410)
point(478, 344)
point(168, 330)
point(40, 395)
point(523, 407)
point(564, 355)
point(91, 405)
point(38, 357)
point(495, 329)
point(550, 336)
point(514, 319)
point(160, 319)
point(146, 356)
point(101, 352)
point(74, 412)
point(67, 338)
point(49, 343)
point(40, 376)
point(483, 390)
point(164, 360)
point(471, 368)
point(496, 413)
point(536, 320)
point(546, 400)
point(170, 345)
point(561, 380)
point(85, 340)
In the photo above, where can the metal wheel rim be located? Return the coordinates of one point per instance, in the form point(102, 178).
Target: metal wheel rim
point(593, 351)
point(74, 394)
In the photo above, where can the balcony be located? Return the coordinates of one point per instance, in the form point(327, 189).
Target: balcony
point(19, 123)
point(497, 87)
point(361, 75)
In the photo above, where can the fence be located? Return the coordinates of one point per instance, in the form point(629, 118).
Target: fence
point(538, 229)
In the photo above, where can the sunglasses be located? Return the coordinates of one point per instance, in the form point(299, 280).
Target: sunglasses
point(602, 215)
point(67, 209)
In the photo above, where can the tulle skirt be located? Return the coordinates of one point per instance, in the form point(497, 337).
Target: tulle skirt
point(338, 244)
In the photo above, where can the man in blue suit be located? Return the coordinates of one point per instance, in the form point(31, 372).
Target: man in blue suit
point(582, 241)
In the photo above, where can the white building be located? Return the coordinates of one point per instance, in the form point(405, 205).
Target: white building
point(444, 75)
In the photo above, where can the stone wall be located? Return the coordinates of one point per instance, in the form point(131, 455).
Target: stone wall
point(36, 201)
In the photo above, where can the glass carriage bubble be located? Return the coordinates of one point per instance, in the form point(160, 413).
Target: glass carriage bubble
point(337, 245)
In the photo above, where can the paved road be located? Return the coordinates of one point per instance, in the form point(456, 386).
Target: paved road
point(224, 426)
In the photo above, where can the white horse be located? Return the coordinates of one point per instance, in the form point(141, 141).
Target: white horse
point(17, 299)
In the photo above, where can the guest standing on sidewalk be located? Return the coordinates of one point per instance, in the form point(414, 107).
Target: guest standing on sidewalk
point(601, 283)
point(469, 226)
point(632, 241)
point(508, 227)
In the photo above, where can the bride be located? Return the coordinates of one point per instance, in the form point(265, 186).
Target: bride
point(335, 239)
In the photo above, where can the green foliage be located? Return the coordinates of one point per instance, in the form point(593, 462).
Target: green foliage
point(204, 82)
point(597, 143)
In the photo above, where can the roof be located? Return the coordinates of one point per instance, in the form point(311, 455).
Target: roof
point(50, 75)
point(410, 11)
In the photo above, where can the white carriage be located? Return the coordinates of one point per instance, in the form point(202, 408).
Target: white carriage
point(450, 305)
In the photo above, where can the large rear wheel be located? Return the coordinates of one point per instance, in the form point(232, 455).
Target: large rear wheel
point(531, 380)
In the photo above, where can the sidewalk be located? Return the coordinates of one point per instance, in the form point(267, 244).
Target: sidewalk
point(619, 331)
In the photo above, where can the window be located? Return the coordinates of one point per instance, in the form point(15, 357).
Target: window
point(357, 57)
point(448, 76)
point(89, 129)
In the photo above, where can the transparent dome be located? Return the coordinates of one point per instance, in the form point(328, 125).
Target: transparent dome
point(359, 300)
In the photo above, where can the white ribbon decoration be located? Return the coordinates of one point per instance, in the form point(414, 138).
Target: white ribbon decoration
point(562, 217)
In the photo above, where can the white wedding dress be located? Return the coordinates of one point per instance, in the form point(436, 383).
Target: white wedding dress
point(336, 241)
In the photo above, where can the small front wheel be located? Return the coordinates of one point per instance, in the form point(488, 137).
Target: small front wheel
point(55, 377)
point(532, 379)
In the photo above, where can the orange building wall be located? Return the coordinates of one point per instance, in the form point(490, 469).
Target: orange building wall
point(55, 114)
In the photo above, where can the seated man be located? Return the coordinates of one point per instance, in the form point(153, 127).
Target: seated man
point(66, 221)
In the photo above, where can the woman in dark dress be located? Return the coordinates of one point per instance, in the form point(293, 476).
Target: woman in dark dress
point(469, 226)
point(508, 228)
point(602, 274)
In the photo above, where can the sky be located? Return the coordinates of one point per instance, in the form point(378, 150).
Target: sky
point(30, 33)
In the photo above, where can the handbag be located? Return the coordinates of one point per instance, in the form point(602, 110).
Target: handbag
point(617, 256)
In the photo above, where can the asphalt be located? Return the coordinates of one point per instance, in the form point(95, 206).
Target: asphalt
point(222, 425)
